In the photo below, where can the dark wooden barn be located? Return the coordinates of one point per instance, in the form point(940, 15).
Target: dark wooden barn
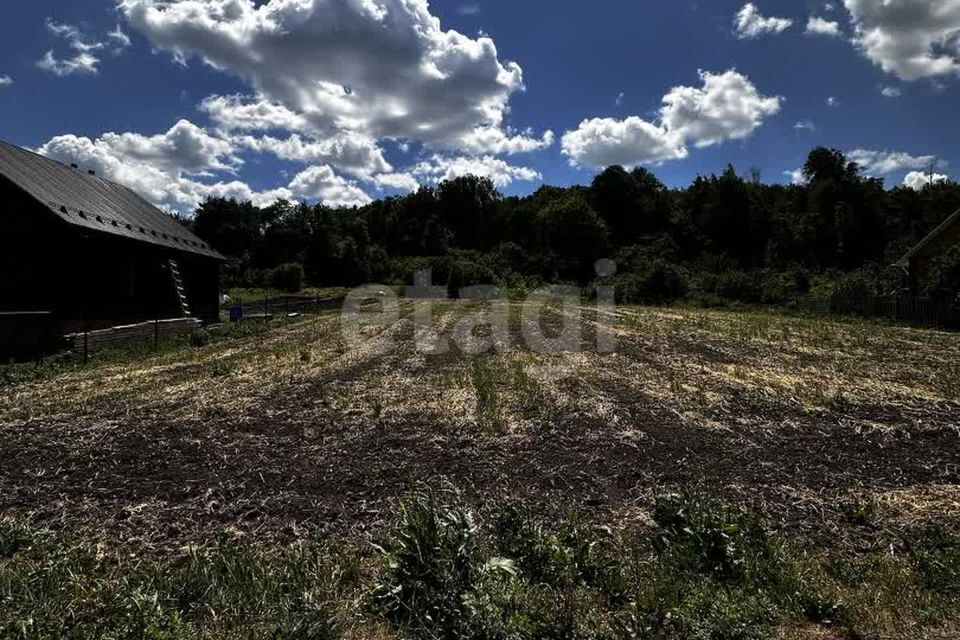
point(78, 252)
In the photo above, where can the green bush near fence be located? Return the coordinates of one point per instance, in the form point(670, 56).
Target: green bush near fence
point(287, 277)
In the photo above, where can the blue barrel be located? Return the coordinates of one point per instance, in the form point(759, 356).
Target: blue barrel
point(236, 313)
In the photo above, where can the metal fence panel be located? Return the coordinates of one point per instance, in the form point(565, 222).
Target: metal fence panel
point(913, 310)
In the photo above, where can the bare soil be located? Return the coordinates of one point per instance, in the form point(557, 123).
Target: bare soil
point(840, 432)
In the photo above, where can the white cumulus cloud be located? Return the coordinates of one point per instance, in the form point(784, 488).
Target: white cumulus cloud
point(911, 39)
point(120, 39)
point(81, 63)
point(5, 81)
point(321, 183)
point(382, 68)
point(497, 141)
point(726, 107)
point(881, 163)
point(632, 141)
point(796, 176)
point(354, 154)
point(184, 147)
point(84, 50)
point(440, 168)
point(162, 168)
point(400, 181)
point(750, 23)
point(917, 180)
point(237, 113)
point(818, 26)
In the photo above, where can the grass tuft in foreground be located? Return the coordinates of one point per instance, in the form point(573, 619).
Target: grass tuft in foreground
point(447, 570)
point(51, 589)
point(714, 573)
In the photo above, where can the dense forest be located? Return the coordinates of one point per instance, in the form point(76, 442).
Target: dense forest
point(723, 238)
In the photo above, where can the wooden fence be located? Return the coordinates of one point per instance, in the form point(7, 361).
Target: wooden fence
point(913, 310)
point(284, 305)
point(141, 333)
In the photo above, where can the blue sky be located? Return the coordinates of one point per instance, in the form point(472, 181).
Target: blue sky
point(184, 99)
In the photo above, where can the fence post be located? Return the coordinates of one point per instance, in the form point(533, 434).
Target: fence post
point(86, 351)
point(44, 340)
point(156, 334)
point(266, 303)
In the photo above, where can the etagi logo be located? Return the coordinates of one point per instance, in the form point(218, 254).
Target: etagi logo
point(549, 321)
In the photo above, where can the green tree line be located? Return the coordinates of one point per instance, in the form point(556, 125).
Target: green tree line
point(722, 238)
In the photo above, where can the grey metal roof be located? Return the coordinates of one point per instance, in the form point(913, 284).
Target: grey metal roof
point(904, 262)
point(91, 202)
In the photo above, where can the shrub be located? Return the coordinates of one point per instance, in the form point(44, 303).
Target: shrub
point(659, 282)
point(733, 285)
point(510, 256)
point(870, 280)
point(442, 580)
point(704, 537)
point(569, 556)
point(287, 277)
point(777, 287)
point(403, 269)
point(518, 287)
point(377, 264)
point(466, 271)
point(755, 578)
point(431, 564)
point(200, 338)
point(256, 278)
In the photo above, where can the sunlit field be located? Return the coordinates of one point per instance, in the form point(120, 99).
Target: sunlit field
point(721, 474)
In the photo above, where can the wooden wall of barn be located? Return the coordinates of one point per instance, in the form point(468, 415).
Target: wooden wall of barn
point(88, 279)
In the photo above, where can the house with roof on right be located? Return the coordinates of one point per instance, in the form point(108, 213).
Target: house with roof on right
point(918, 261)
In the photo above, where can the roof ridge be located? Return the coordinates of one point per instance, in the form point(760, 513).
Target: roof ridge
point(927, 239)
point(94, 202)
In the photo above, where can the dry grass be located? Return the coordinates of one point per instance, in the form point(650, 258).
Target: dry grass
point(842, 434)
point(296, 428)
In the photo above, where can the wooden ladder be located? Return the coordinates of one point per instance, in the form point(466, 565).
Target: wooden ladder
point(178, 288)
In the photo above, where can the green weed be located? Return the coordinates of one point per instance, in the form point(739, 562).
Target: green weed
point(448, 571)
point(528, 393)
point(53, 589)
point(431, 564)
point(937, 557)
point(484, 378)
